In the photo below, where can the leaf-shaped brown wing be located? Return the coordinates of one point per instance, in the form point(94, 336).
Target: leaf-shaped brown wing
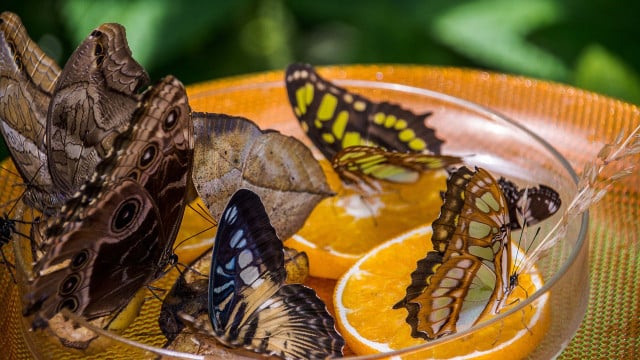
point(233, 153)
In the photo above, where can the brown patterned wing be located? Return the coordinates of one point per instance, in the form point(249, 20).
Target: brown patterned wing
point(234, 153)
point(116, 235)
point(27, 80)
point(467, 277)
point(93, 100)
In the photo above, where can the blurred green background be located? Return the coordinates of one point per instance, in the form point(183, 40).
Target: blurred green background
point(591, 44)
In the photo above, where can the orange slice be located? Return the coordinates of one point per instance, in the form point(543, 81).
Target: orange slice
point(365, 295)
point(343, 228)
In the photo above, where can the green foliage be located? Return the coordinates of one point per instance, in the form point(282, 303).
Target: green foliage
point(205, 39)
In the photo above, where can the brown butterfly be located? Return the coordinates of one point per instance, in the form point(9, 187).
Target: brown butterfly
point(76, 112)
point(92, 103)
point(116, 235)
point(27, 81)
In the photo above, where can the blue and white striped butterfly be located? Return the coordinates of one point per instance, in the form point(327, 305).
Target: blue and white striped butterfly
point(250, 305)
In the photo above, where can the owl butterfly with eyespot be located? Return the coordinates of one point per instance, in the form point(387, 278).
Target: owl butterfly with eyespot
point(116, 236)
point(334, 118)
point(469, 274)
point(250, 306)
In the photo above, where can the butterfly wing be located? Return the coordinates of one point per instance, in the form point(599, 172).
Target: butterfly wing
point(92, 103)
point(248, 304)
point(529, 205)
point(116, 235)
point(27, 80)
point(333, 118)
point(98, 258)
point(468, 274)
point(365, 163)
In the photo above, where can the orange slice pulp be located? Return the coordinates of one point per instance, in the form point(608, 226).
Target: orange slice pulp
point(365, 295)
point(341, 229)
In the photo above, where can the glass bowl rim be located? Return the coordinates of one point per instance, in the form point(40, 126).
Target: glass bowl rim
point(485, 111)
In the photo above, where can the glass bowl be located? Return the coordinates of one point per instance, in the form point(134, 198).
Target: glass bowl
point(484, 137)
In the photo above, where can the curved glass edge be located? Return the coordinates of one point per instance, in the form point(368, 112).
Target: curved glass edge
point(491, 114)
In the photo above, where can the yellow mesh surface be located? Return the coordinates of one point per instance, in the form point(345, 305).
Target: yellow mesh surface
point(576, 122)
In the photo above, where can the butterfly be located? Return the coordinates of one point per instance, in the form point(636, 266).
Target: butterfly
point(58, 124)
point(334, 118)
point(250, 306)
point(233, 153)
point(529, 205)
point(361, 163)
point(469, 274)
point(27, 81)
point(116, 235)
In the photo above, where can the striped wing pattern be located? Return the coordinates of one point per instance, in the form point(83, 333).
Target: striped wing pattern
point(334, 118)
point(365, 163)
point(250, 306)
point(467, 276)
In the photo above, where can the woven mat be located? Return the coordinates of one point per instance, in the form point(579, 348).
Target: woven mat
point(576, 122)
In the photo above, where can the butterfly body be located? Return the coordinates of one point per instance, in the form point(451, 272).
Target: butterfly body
point(116, 235)
point(334, 118)
point(249, 304)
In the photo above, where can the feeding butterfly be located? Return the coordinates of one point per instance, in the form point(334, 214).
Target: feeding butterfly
point(116, 235)
point(334, 118)
point(365, 163)
point(469, 274)
point(250, 305)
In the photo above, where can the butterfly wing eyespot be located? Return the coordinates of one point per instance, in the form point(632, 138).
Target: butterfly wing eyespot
point(250, 306)
point(124, 216)
point(69, 285)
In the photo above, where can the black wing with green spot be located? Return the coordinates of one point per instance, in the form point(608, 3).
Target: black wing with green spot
point(334, 118)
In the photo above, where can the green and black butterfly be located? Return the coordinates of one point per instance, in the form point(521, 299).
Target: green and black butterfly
point(365, 163)
point(336, 119)
point(470, 272)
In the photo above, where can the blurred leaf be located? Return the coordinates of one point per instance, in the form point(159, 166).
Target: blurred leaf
point(157, 30)
point(494, 32)
point(601, 71)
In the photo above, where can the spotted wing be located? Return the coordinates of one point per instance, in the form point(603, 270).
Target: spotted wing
point(249, 304)
point(529, 205)
point(334, 118)
point(365, 163)
point(468, 274)
point(116, 235)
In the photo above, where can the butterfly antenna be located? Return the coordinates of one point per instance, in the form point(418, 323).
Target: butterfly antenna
point(204, 214)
